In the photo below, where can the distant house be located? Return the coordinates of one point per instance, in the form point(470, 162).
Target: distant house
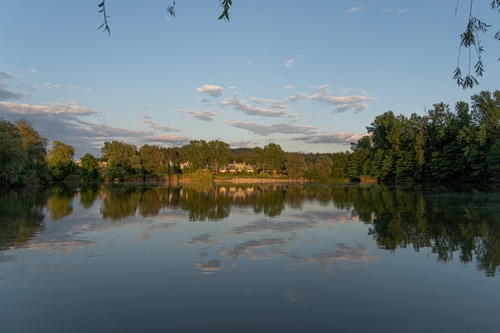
point(185, 165)
point(238, 167)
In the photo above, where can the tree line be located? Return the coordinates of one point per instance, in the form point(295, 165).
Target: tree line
point(440, 146)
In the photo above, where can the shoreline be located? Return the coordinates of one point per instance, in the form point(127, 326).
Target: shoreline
point(259, 180)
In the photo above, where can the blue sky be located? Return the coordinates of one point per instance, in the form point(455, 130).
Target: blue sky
point(309, 76)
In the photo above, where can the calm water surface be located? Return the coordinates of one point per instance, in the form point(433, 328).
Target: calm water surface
point(267, 258)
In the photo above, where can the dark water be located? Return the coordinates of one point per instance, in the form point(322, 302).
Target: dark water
point(266, 258)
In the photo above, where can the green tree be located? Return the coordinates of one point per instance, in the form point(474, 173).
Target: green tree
point(260, 158)
point(356, 162)
point(220, 153)
point(324, 166)
point(274, 156)
point(90, 167)
point(197, 153)
point(486, 110)
point(295, 165)
point(60, 160)
point(153, 160)
point(36, 169)
point(122, 161)
point(340, 161)
point(493, 161)
point(12, 157)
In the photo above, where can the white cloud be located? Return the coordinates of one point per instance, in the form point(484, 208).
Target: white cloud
point(400, 11)
point(277, 104)
point(5, 75)
point(248, 63)
point(289, 88)
point(5, 92)
point(243, 144)
point(204, 101)
point(76, 88)
point(289, 63)
point(342, 103)
point(264, 130)
point(355, 9)
point(52, 109)
point(34, 71)
point(169, 139)
point(250, 110)
point(51, 86)
point(341, 137)
point(214, 91)
point(157, 127)
point(64, 122)
point(201, 115)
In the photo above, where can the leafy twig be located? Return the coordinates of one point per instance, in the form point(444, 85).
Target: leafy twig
point(102, 10)
point(470, 40)
point(226, 4)
point(171, 9)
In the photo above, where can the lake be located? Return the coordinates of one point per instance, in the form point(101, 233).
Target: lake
point(255, 258)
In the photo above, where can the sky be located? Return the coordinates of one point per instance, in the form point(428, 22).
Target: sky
point(307, 75)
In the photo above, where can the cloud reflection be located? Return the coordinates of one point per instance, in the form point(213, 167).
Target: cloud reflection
point(203, 240)
point(209, 267)
point(270, 225)
point(251, 245)
point(357, 253)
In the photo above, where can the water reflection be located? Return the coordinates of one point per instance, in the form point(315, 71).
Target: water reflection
point(21, 217)
point(452, 224)
point(60, 202)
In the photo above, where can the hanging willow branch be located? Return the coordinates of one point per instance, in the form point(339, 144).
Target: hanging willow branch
point(102, 10)
point(470, 40)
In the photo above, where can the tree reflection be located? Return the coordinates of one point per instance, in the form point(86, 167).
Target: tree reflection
point(448, 222)
point(452, 223)
point(270, 201)
point(120, 202)
point(60, 202)
point(88, 195)
point(205, 204)
point(445, 221)
point(21, 217)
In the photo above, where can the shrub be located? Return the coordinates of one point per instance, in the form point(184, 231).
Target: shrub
point(199, 176)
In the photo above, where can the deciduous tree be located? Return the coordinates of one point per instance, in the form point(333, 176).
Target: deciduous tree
point(12, 157)
point(220, 153)
point(60, 160)
point(122, 160)
point(90, 167)
point(295, 165)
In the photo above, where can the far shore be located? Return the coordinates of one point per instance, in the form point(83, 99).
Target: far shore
point(252, 180)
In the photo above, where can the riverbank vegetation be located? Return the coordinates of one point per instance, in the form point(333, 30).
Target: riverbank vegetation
point(442, 145)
